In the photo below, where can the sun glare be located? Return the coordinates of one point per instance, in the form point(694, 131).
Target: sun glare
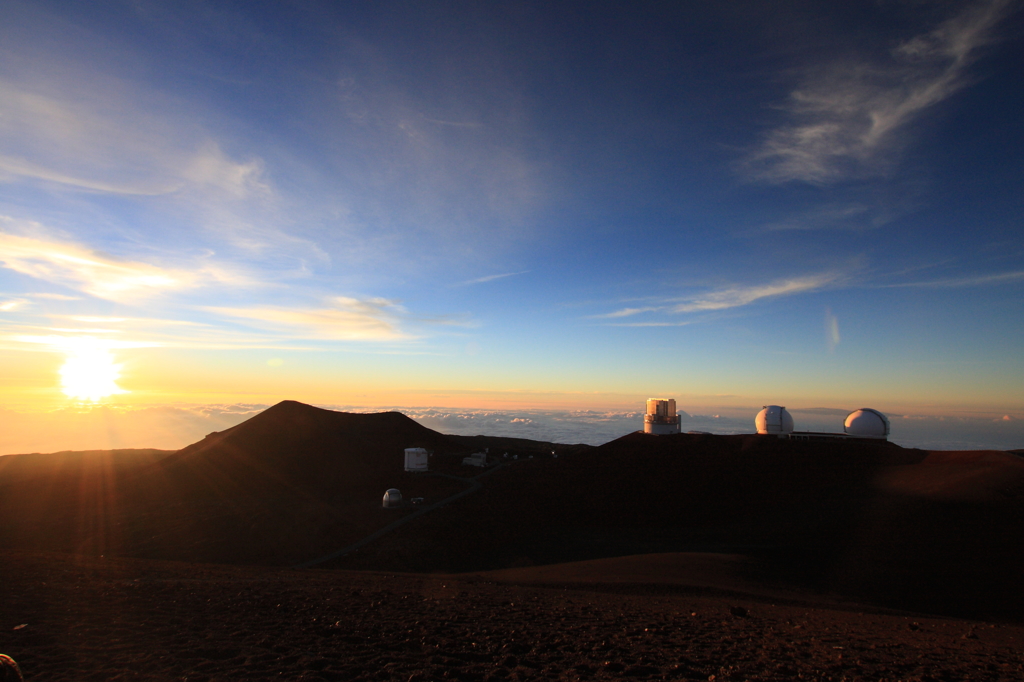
point(89, 373)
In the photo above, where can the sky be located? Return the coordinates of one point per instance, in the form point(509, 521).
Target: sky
point(509, 208)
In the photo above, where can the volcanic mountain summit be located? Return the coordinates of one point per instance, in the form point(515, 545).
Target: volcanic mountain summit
point(304, 448)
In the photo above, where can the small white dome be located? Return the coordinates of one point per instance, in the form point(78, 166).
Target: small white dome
point(774, 419)
point(867, 423)
point(393, 497)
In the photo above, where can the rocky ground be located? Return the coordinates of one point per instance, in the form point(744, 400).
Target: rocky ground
point(75, 618)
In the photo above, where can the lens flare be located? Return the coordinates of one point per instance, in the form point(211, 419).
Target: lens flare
point(89, 373)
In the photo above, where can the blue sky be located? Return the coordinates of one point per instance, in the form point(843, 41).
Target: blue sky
point(538, 204)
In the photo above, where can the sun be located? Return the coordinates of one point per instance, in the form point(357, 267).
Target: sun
point(89, 373)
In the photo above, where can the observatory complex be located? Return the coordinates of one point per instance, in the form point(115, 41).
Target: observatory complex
point(661, 417)
point(864, 423)
point(774, 420)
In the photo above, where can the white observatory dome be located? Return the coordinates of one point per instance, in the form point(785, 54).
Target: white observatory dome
point(774, 419)
point(867, 423)
point(393, 498)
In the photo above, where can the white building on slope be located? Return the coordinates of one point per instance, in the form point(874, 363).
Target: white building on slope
point(417, 459)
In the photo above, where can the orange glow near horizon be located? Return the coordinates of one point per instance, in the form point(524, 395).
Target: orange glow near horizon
point(49, 372)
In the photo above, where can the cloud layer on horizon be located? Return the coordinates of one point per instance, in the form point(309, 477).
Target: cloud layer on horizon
point(174, 426)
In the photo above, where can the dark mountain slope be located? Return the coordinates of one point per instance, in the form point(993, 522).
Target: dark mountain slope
point(292, 482)
point(907, 528)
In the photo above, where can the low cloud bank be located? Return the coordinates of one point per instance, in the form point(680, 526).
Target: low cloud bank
point(957, 433)
point(927, 432)
point(171, 427)
point(589, 427)
point(165, 427)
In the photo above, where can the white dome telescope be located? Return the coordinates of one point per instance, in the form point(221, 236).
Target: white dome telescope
point(392, 498)
point(867, 423)
point(774, 419)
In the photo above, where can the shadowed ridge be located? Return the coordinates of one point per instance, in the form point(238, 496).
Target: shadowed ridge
point(754, 445)
point(929, 531)
point(643, 493)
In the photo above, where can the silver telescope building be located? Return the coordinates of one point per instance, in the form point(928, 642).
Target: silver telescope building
point(661, 417)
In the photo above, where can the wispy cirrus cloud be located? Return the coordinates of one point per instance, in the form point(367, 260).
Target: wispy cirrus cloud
point(344, 319)
point(628, 312)
point(456, 124)
point(100, 275)
point(727, 297)
point(385, 171)
point(844, 117)
point(54, 297)
point(959, 282)
point(736, 296)
point(825, 217)
point(77, 139)
point(209, 166)
point(80, 268)
point(651, 324)
point(63, 342)
point(455, 161)
point(81, 134)
point(14, 167)
point(290, 323)
point(491, 278)
point(52, 333)
point(376, 325)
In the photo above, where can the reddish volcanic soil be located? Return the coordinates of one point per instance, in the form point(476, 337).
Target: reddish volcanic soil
point(659, 557)
point(75, 618)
